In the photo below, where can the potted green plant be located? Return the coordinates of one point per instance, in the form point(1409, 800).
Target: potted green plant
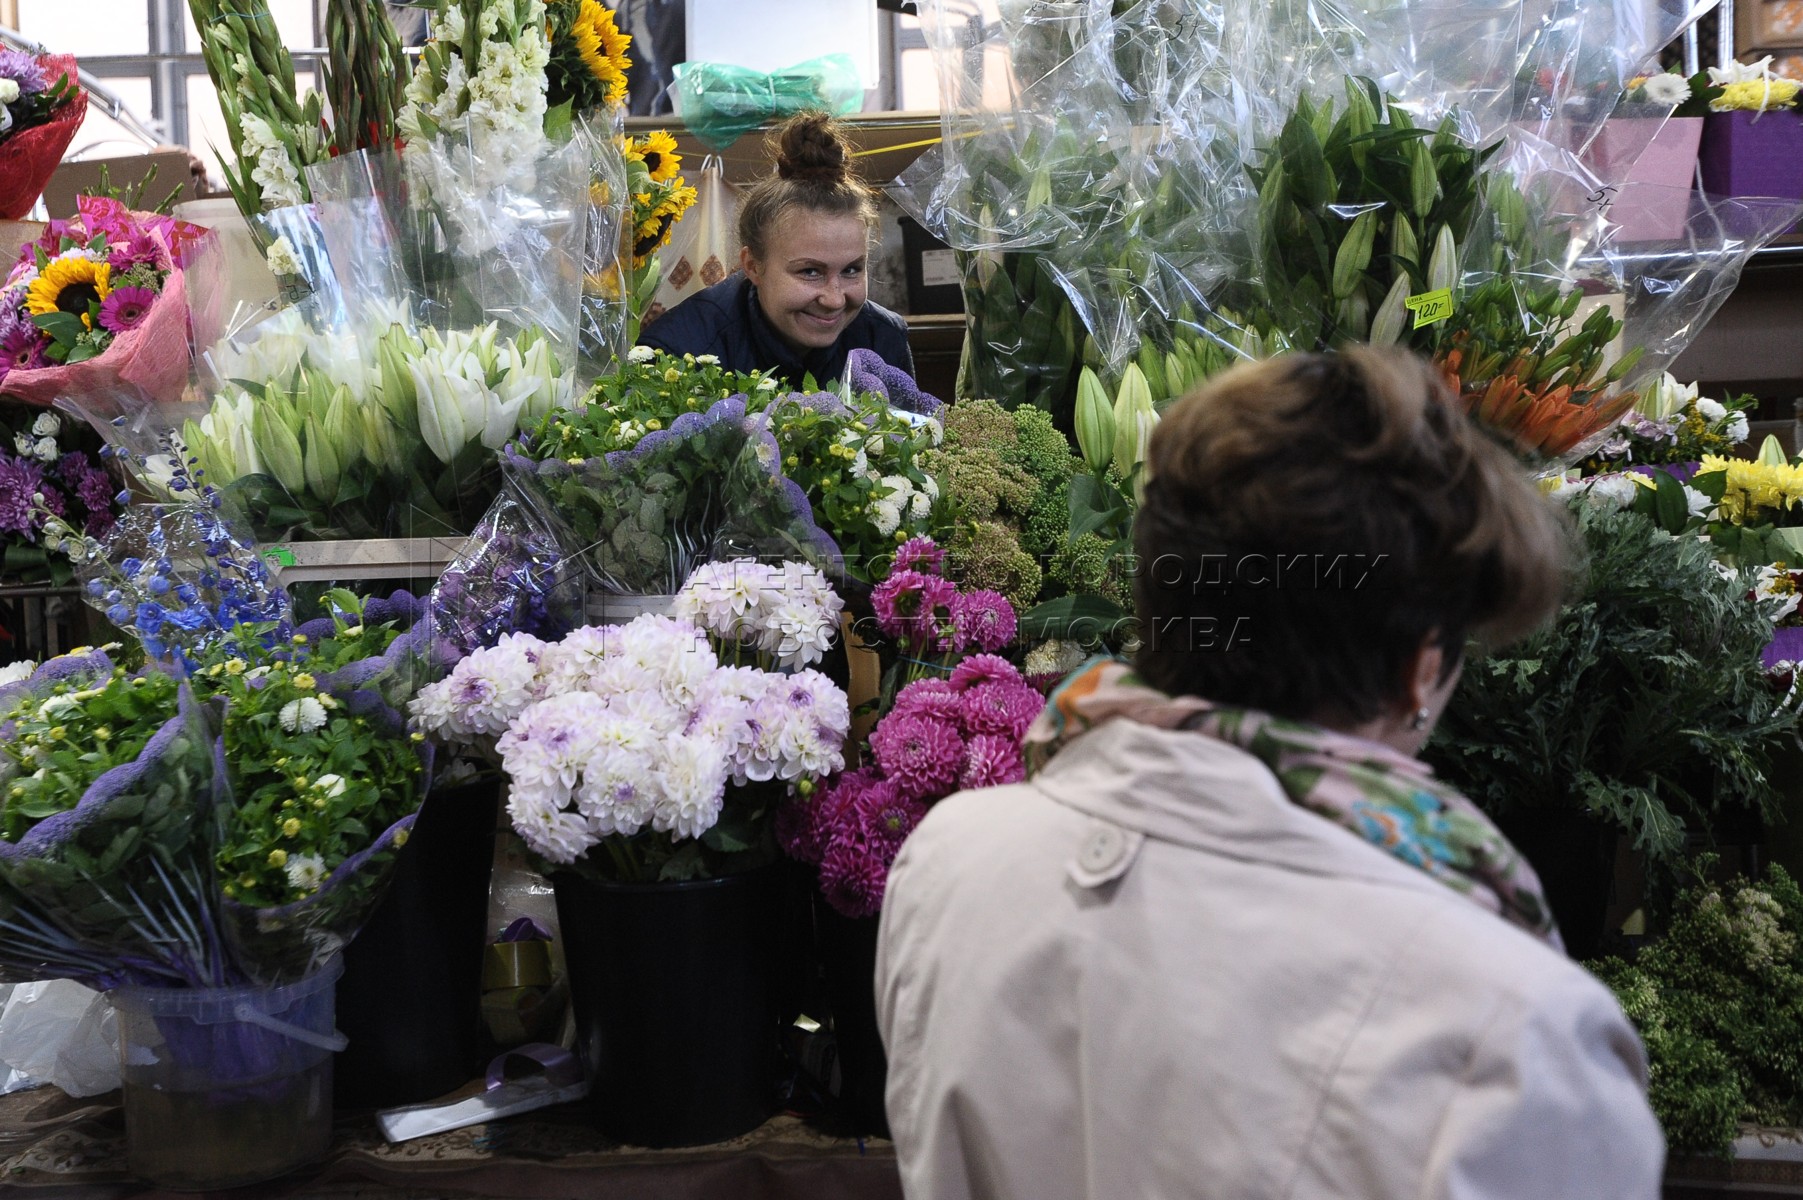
point(1642, 709)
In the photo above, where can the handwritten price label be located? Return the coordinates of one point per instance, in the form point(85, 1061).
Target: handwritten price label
point(1430, 307)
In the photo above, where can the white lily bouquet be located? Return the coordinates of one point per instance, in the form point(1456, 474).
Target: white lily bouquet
point(324, 434)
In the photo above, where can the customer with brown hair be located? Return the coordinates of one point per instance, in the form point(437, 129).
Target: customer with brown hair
point(1231, 939)
point(799, 305)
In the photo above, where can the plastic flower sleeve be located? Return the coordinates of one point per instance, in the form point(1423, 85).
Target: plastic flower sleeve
point(116, 888)
point(282, 943)
point(708, 487)
point(511, 577)
point(720, 102)
point(606, 257)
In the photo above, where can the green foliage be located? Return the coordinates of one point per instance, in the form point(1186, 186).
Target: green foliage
point(1643, 702)
point(1719, 1003)
point(988, 554)
point(865, 470)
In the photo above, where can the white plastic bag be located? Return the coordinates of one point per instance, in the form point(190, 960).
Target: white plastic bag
point(704, 247)
point(62, 1033)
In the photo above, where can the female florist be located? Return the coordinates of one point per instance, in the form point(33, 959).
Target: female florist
point(553, 646)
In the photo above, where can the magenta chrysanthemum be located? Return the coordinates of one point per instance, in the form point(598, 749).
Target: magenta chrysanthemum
point(982, 620)
point(126, 308)
point(908, 604)
point(933, 698)
point(981, 668)
point(1000, 707)
point(919, 554)
point(804, 828)
point(854, 870)
point(991, 759)
point(920, 754)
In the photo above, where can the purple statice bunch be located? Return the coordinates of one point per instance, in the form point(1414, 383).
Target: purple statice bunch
point(943, 735)
point(867, 371)
point(512, 578)
point(786, 613)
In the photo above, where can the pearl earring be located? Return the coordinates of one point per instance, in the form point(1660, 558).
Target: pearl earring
point(1419, 721)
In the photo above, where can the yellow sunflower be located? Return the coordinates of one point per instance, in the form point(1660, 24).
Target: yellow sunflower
point(653, 231)
point(658, 153)
point(602, 48)
point(69, 285)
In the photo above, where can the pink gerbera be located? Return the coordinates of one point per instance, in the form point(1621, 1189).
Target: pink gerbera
point(126, 308)
point(22, 349)
point(920, 754)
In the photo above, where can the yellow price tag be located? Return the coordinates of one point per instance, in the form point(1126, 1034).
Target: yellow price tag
point(1430, 307)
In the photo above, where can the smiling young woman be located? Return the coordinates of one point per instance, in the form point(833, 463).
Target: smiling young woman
point(798, 305)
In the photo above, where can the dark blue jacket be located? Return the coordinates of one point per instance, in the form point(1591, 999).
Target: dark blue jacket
point(725, 320)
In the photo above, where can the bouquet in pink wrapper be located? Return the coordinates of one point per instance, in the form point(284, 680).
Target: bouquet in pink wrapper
point(98, 306)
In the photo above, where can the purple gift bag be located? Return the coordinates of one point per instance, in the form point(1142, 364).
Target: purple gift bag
point(1753, 154)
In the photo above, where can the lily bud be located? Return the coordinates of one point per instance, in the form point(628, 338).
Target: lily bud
point(322, 465)
point(279, 449)
point(1094, 420)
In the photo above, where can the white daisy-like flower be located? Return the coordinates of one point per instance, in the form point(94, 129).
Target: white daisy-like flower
point(329, 785)
point(885, 516)
point(1737, 429)
point(306, 872)
point(708, 360)
point(14, 672)
point(305, 715)
point(1711, 410)
point(1667, 88)
point(640, 354)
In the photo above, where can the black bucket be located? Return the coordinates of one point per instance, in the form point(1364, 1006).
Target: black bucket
point(674, 990)
point(411, 997)
point(848, 962)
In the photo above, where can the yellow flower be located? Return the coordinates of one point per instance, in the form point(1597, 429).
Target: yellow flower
point(304, 681)
point(671, 374)
point(1752, 95)
point(69, 285)
point(102, 734)
point(291, 827)
point(278, 858)
point(400, 838)
point(602, 48)
point(235, 666)
point(658, 153)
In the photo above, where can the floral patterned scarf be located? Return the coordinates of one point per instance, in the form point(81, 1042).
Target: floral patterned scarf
point(1380, 794)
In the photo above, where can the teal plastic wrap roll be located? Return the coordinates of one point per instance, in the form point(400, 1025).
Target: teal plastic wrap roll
point(719, 102)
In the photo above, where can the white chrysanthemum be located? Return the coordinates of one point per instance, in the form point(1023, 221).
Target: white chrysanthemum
point(570, 665)
point(798, 633)
point(691, 787)
point(885, 517)
point(329, 785)
point(919, 507)
point(767, 384)
point(14, 672)
point(557, 836)
point(640, 354)
point(546, 746)
point(305, 715)
point(1737, 428)
point(1711, 410)
point(708, 360)
point(432, 709)
point(619, 792)
point(492, 686)
point(306, 871)
point(647, 706)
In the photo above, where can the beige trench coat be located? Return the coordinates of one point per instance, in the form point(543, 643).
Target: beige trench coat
point(1148, 974)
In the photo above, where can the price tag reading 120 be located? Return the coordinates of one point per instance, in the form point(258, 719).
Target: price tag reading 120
point(1430, 307)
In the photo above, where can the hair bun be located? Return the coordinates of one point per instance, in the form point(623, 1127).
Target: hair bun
point(810, 148)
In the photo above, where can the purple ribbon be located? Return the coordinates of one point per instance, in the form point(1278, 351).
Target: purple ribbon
point(525, 930)
point(557, 1065)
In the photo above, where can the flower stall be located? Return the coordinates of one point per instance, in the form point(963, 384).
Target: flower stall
point(493, 738)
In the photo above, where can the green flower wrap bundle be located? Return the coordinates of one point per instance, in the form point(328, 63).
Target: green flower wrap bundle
point(719, 102)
